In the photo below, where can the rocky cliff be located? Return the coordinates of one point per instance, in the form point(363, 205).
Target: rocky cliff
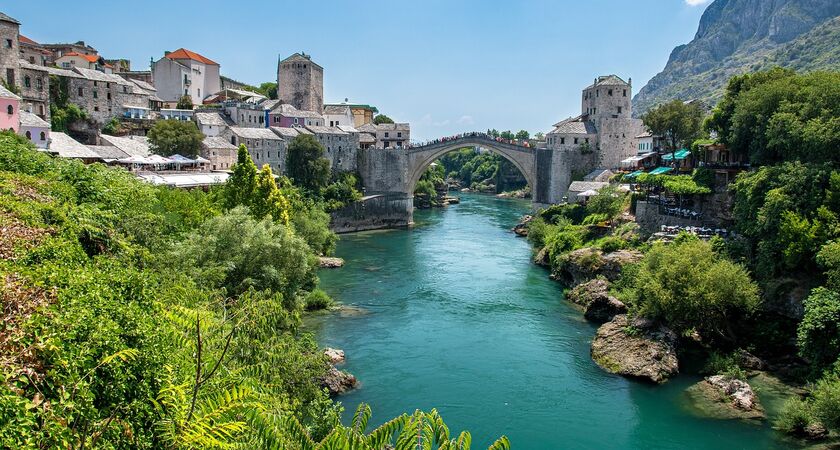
point(738, 36)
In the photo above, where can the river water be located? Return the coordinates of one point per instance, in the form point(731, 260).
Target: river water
point(453, 315)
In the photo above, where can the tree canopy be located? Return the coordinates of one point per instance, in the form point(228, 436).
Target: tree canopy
point(306, 165)
point(184, 102)
point(678, 122)
point(382, 118)
point(170, 137)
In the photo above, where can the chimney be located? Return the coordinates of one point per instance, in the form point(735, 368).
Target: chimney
point(630, 81)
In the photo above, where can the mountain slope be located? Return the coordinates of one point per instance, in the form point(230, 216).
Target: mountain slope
point(737, 36)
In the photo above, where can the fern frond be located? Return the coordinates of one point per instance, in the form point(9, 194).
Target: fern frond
point(361, 417)
point(501, 444)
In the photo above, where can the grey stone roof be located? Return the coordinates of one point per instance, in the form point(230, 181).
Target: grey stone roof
point(107, 152)
point(326, 130)
point(286, 132)
point(290, 111)
point(574, 126)
point(609, 80)
point(6, 18)
point(367, 128)
point(303, 57)
point(143, 85)
point(583, 186)
point(24, 64)
point(347, 129)
point(599, 175)
point(269, 104)
point(96, 75)
point(366, 138)
point(133, 146)
point(5, 93)
point(55, 71)
point(337, 109)
point(393, 127)
point(217, 142)
point(210, 118)
point(27, 119)
point(255, 133)
point(67, 147)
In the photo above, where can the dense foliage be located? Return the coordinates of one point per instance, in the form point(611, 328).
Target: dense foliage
point(306, 165)
point(481, 170)
point(680, 123)
point(171, 137)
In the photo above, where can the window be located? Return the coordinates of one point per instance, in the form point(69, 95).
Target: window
point(576, 140)
point(386, 134)
point(598, 93)
point(609, 92)
point(562, 141)
point(233, 140)
point(199, 93)
point(625, 93)
point(27, 82)
point(39, 83)
point(43, 136)
point(94, 82)
point(619, 110)
point(107, 84)
point(29, 135)
point(10, 77)
point(399, 134)
point(586, 140)
point(95, 94)
point(81, 92)
point(32, 60)
point(109, 96)
point(96, 108)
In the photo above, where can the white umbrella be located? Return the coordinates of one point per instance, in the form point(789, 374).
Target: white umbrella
point(589, 193)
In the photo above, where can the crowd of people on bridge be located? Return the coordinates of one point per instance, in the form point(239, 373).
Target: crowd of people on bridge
point(475, 134)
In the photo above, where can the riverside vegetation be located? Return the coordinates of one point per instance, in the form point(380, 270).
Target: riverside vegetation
point(772, 291)
point(140, 316)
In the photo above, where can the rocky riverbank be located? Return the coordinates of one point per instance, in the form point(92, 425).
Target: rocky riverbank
point(336, 381)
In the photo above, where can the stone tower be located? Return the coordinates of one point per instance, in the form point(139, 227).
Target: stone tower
point(300, 83)
point(9, 50)
point(607, 105)
point(608, 97)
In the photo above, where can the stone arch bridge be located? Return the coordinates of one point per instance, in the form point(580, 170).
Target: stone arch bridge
point(389, 177)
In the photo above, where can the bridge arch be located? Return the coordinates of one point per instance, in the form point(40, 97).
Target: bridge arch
point(420, 158)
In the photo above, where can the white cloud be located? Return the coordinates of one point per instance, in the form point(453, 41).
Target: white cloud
point(466, 120)
point(696, 2)
point(428, 121)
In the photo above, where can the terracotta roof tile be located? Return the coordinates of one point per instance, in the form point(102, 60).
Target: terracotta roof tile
point(183, 53)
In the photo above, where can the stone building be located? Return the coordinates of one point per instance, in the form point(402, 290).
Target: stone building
point(103, 96)
point(35, 89)
point(287, 116)
point(9, 50)
point(387, 135)
point(35, 129)
point(300, 83)
point(336, 115)
point(264, 145)
point(245, 114)
point(362, 114)
point(340, 146)
point(605, 132)
point(211, 124)
point(33, 52)
point(57, 50)
point(184, 72)
point(221, 153)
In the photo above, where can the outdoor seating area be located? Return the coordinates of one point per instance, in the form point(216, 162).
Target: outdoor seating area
point(681, 212)
point(672, 231)
point(157, 162)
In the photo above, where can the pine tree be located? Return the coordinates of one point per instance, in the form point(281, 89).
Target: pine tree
point(239, 189)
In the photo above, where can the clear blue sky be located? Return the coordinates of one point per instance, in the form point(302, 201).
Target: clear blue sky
point(446, 66)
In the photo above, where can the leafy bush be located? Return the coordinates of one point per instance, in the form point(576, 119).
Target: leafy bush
point(794, 416)
point(725, 364)
point(612, 243)
point(818, 335)
point(318, 299)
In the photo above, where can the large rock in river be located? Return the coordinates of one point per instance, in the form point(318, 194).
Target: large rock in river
point(327, 262)
point(640, 349)
point(723, 397)
point(587, 263)
point(521, 229)
point(338, 381)
point(597, 304)
point(334, 355)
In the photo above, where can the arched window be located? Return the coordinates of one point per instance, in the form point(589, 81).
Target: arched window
point(43, 136)
point(10, 109)
point(29, 135)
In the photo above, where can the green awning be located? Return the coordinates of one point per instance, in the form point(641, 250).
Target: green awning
point(661, 170)
point(634, 174)
point(679, 154)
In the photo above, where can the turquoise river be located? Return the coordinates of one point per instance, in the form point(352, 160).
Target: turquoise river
point(452, 315)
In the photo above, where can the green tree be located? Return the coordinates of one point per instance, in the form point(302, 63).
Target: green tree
point(237, 252)
point(268, 200)
point(507, 135)
point(382, 118)
point(185, 102)
point(269, 89)
point(113, 127)
point(522, 135)
point(818, 335)
point(689, 287)
point(239, 188)
point(539, 135)
point(608, 204)
point(170, 137)
point(306, 164)
point(678, 122)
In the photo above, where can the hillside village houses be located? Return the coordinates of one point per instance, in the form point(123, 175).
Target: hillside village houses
point(184, 72)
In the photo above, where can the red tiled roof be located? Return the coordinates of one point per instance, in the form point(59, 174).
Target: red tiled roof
point(26, 40)
point(89, 58)
point(183, 53)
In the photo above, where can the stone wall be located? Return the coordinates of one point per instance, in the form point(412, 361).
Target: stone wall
point(9, 55)
point(374, 212)
point(617, 140)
